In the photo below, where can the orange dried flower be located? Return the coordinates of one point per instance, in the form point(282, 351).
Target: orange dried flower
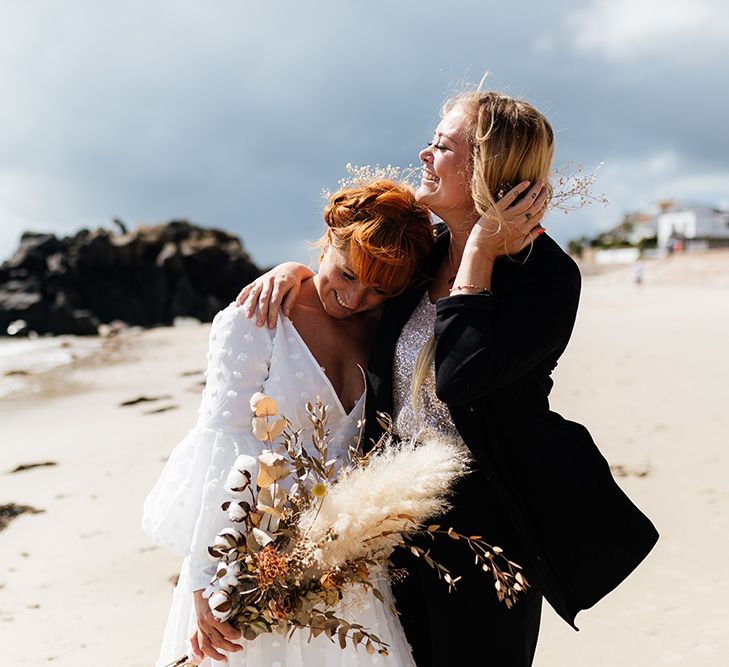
point(272, 566)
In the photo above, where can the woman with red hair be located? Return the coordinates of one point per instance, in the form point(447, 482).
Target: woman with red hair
point(376, 237)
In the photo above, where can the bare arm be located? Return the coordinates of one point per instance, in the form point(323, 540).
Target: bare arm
point(276, 288)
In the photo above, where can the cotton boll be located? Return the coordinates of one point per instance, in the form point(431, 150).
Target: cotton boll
point(226, 539)
point(220, 605)
point(230, 578)
point(228, 532)
point(236, 483)
point(237, 512)
point(245, 462)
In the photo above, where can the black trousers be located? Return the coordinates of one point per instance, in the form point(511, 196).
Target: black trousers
point(468, 627)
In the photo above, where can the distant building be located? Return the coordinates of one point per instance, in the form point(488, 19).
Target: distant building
point(634, 228)
point(639, 226)
point(695, 226)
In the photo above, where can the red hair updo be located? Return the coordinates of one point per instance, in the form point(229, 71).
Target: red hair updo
point(385, 230)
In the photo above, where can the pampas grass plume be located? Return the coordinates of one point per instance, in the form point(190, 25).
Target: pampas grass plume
point(409, 478)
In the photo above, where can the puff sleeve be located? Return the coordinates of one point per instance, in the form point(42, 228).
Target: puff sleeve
point(182, 512)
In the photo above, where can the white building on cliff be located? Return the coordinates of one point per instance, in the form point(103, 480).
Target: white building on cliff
point(697, 226)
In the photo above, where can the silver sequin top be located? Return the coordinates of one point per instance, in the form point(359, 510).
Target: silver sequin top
point(431, 414)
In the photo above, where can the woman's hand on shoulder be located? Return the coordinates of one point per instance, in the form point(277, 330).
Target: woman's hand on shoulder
point(277, 288)
point(211, 635)
point(515, 222)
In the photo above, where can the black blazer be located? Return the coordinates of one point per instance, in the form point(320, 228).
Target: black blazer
point(540, 483)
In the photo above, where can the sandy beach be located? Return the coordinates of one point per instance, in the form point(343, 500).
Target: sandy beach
point(80, 584)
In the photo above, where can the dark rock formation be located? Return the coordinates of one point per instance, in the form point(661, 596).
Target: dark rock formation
point(144, 277)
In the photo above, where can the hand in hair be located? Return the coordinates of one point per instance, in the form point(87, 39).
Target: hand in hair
point(513, 222)
point(276, 289)
point(512, 225)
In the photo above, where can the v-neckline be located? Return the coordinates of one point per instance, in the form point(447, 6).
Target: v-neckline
point(286, 321)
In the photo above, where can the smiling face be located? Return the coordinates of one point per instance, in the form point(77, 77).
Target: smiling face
point(445, 187)
point(340, 291)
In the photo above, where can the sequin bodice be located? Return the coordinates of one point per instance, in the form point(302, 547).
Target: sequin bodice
point(431, 413)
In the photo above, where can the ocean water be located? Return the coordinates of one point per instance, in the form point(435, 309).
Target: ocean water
point(23, 358)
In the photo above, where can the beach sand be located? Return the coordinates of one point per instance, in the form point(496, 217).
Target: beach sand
point(646, 371)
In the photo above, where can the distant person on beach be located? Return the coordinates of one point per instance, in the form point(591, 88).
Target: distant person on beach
point(470, 354)
point(638, 273)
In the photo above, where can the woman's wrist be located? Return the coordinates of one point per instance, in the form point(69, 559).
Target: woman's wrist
point(483, 243)
point(474, 272)
point(469, 289)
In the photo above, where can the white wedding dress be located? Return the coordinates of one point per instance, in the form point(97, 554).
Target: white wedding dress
point(182, 512)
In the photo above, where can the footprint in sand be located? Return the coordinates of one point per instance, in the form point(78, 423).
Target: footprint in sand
point(29, 466)
point(164, 408)
point(12, 511)
point(143, 399)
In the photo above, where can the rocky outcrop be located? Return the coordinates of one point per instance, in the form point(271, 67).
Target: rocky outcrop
point(147, 276)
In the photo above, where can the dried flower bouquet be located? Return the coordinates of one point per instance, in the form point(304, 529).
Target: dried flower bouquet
point(310, 528)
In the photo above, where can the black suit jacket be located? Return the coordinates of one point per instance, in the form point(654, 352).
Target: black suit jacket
point(540, 485)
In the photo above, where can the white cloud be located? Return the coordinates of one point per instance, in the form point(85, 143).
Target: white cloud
point(544, 44)
point(682, 31)
point(662, 164)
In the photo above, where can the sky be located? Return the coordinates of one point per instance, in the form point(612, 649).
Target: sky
point(236, 114)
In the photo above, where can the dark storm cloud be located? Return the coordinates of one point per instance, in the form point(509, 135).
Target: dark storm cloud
point(237, 114)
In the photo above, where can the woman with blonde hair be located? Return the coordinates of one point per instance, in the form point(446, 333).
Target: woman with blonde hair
point(470, 354)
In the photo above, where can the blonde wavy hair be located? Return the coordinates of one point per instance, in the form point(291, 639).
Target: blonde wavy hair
point(510, 142)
